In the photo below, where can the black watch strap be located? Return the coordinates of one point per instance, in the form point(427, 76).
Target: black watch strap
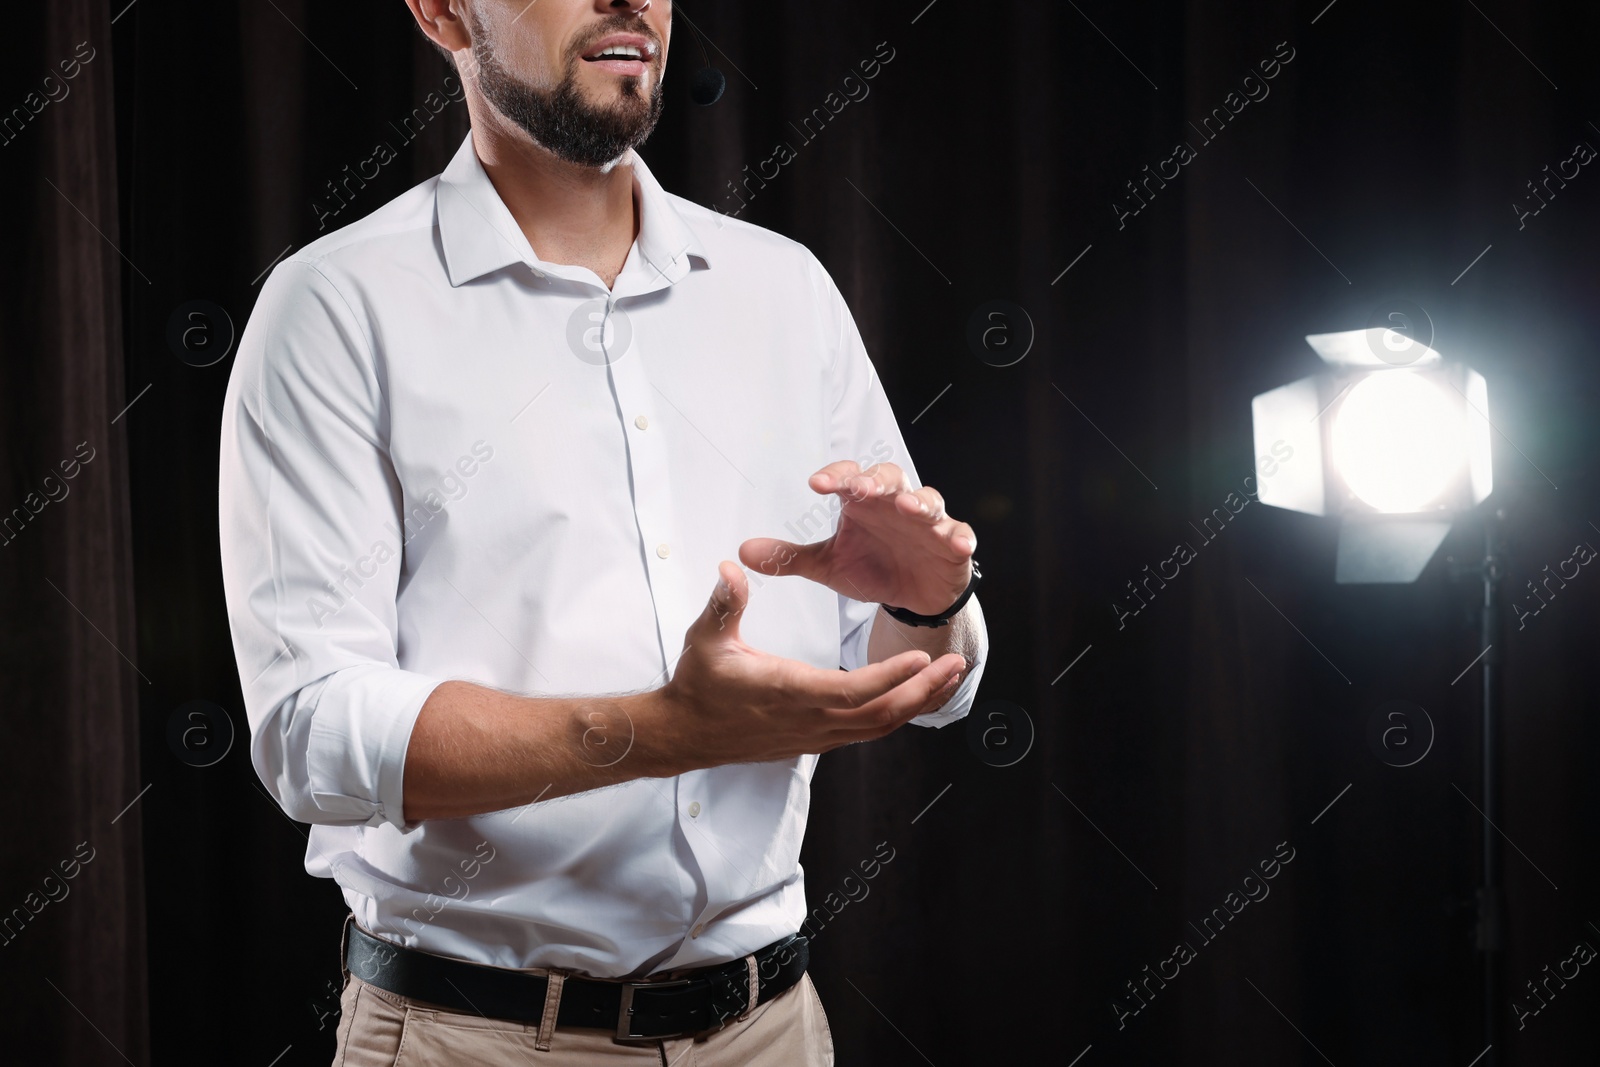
point(911, 618)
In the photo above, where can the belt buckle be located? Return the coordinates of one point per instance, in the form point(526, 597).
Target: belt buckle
point(625, 1009)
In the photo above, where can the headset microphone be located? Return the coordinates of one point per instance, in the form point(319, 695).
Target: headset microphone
point(707, 83)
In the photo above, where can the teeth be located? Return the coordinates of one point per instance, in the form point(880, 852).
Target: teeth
point(625, 51)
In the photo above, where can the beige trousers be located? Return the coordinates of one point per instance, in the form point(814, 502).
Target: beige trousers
point(378, 1028)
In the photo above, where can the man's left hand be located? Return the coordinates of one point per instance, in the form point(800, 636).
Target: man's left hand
point(893, 545)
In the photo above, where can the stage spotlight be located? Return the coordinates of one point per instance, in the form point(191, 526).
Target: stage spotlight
point(1392, 440)
point(1397, 415)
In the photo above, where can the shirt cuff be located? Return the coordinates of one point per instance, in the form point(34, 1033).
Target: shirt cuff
point(360, 730)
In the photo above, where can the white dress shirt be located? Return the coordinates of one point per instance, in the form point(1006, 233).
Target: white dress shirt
point(446, 458)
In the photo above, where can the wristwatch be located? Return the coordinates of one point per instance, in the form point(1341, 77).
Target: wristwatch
point(911, 618)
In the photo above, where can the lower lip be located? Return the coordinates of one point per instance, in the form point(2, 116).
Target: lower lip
point(633, 67)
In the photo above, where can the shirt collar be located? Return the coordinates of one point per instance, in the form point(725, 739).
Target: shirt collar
point(479, 234)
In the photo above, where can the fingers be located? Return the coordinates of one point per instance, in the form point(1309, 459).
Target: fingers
point(922, 692)
point(889, 481)
point(820, 688)
point(925, 503)
point(962, 538)
point(829, 478)
point(727, 603)
point(773, 557)
point(846, 478)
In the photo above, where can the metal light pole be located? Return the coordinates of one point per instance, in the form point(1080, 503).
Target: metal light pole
point(1491, 899)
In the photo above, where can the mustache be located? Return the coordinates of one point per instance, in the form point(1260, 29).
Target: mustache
point(616, 23)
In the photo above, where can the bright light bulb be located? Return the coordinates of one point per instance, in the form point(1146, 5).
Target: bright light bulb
point(1399, 441)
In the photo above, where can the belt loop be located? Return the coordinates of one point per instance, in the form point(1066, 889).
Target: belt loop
point(344, 933)
point(755, 981)
point(552, 1006)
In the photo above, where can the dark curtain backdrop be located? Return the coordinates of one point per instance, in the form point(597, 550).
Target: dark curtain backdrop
point(72, 868)
point(1157, 763)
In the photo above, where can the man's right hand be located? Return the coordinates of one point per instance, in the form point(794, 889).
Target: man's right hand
point(730, 703)
point(475, 749)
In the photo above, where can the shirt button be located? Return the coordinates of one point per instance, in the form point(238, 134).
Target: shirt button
point(699, 928)
point(642, 422)
point(694, 809)
point(663, 551)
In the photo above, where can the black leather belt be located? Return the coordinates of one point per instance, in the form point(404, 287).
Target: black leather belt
point(703, 1000)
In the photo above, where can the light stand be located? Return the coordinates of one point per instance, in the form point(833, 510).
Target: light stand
point(1490, 937)
point(1488, 903)
point(1378, 442)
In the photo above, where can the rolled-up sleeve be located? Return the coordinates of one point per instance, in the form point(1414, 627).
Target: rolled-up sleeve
point(864, 429)
point(308, 510)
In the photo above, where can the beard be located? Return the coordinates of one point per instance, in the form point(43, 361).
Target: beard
point(561, 120)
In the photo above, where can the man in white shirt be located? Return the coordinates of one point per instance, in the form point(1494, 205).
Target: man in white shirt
point(484, 454)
